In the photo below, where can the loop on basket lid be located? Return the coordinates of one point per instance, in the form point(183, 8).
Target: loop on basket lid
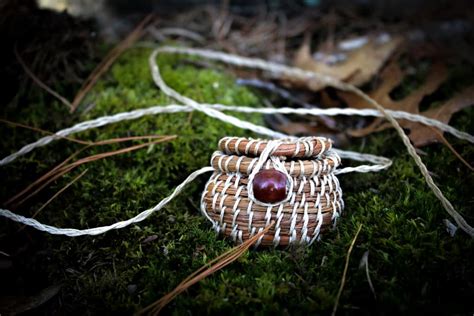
point(268, 158)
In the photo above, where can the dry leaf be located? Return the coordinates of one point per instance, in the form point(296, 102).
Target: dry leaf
point(391, 77)
point(358, 67)
point(422, 135)
point(328, 101)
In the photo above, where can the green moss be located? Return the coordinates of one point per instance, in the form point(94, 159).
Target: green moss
point(413, 262)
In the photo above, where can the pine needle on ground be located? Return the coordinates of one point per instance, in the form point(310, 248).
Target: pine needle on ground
point(344, 273)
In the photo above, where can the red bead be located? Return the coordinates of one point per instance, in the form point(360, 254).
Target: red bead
point(269, 186)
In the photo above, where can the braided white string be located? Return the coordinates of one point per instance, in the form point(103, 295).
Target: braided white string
point(174, 108)
point(379, 163)
point(72, 232)
point(213, 111)
point(291, 72)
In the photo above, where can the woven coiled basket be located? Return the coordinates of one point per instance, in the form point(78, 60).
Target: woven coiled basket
point(290, 182)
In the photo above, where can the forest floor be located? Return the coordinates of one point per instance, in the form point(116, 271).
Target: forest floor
point(403, 248)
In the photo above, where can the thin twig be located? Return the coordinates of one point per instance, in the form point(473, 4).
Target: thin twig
point(109, 60)
point(44, 177)
point(40, 83)
point(64, 168)
point(53, 173)
point(116, 152)
point(129, 138)
point(344, 273)
point(215, 265)
point(454, 151)
point(56, 195)
point(55, 176)
point(36, 129)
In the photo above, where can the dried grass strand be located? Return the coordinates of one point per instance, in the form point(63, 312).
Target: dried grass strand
point(109, 59)
point(36, 129)
point(44, 177)
point(344, 273)
point(215, 265)
point(117, 152)
point(39, 82)
point(56, 195)
point(54, 177)
point(450, 147)
point(64, 168)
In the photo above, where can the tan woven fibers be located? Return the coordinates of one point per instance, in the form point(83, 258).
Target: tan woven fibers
point(254, 147)
point(244, 165)
point(311, 207)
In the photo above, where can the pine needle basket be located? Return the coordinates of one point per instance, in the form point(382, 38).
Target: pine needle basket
point(312, 197)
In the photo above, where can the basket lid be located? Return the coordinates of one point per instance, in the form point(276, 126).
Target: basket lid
point(304, 147)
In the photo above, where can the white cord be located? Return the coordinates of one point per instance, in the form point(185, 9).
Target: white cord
point(174, 108)
point(72, 232)
point(214, 111)
point(297, 73)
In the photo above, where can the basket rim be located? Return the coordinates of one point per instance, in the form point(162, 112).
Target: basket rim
point(325, 164)
point(304, 147)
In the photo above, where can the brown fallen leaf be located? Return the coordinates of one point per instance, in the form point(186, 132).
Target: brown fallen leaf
point(327, 101)
point(390, 78)
point(422, 135)
point(358, 67)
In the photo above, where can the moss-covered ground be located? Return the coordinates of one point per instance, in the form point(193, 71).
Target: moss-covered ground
point(415, 265)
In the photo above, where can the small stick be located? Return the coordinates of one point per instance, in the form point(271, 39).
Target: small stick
point(115, 152)
point(454, 151)
point(215, 265)
point(55, 196)
point(36, 129)
point(109, 60)
point(43, 177)
point(62, 168)
point(60, 173)
point(39, 82)
point(344, 273)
